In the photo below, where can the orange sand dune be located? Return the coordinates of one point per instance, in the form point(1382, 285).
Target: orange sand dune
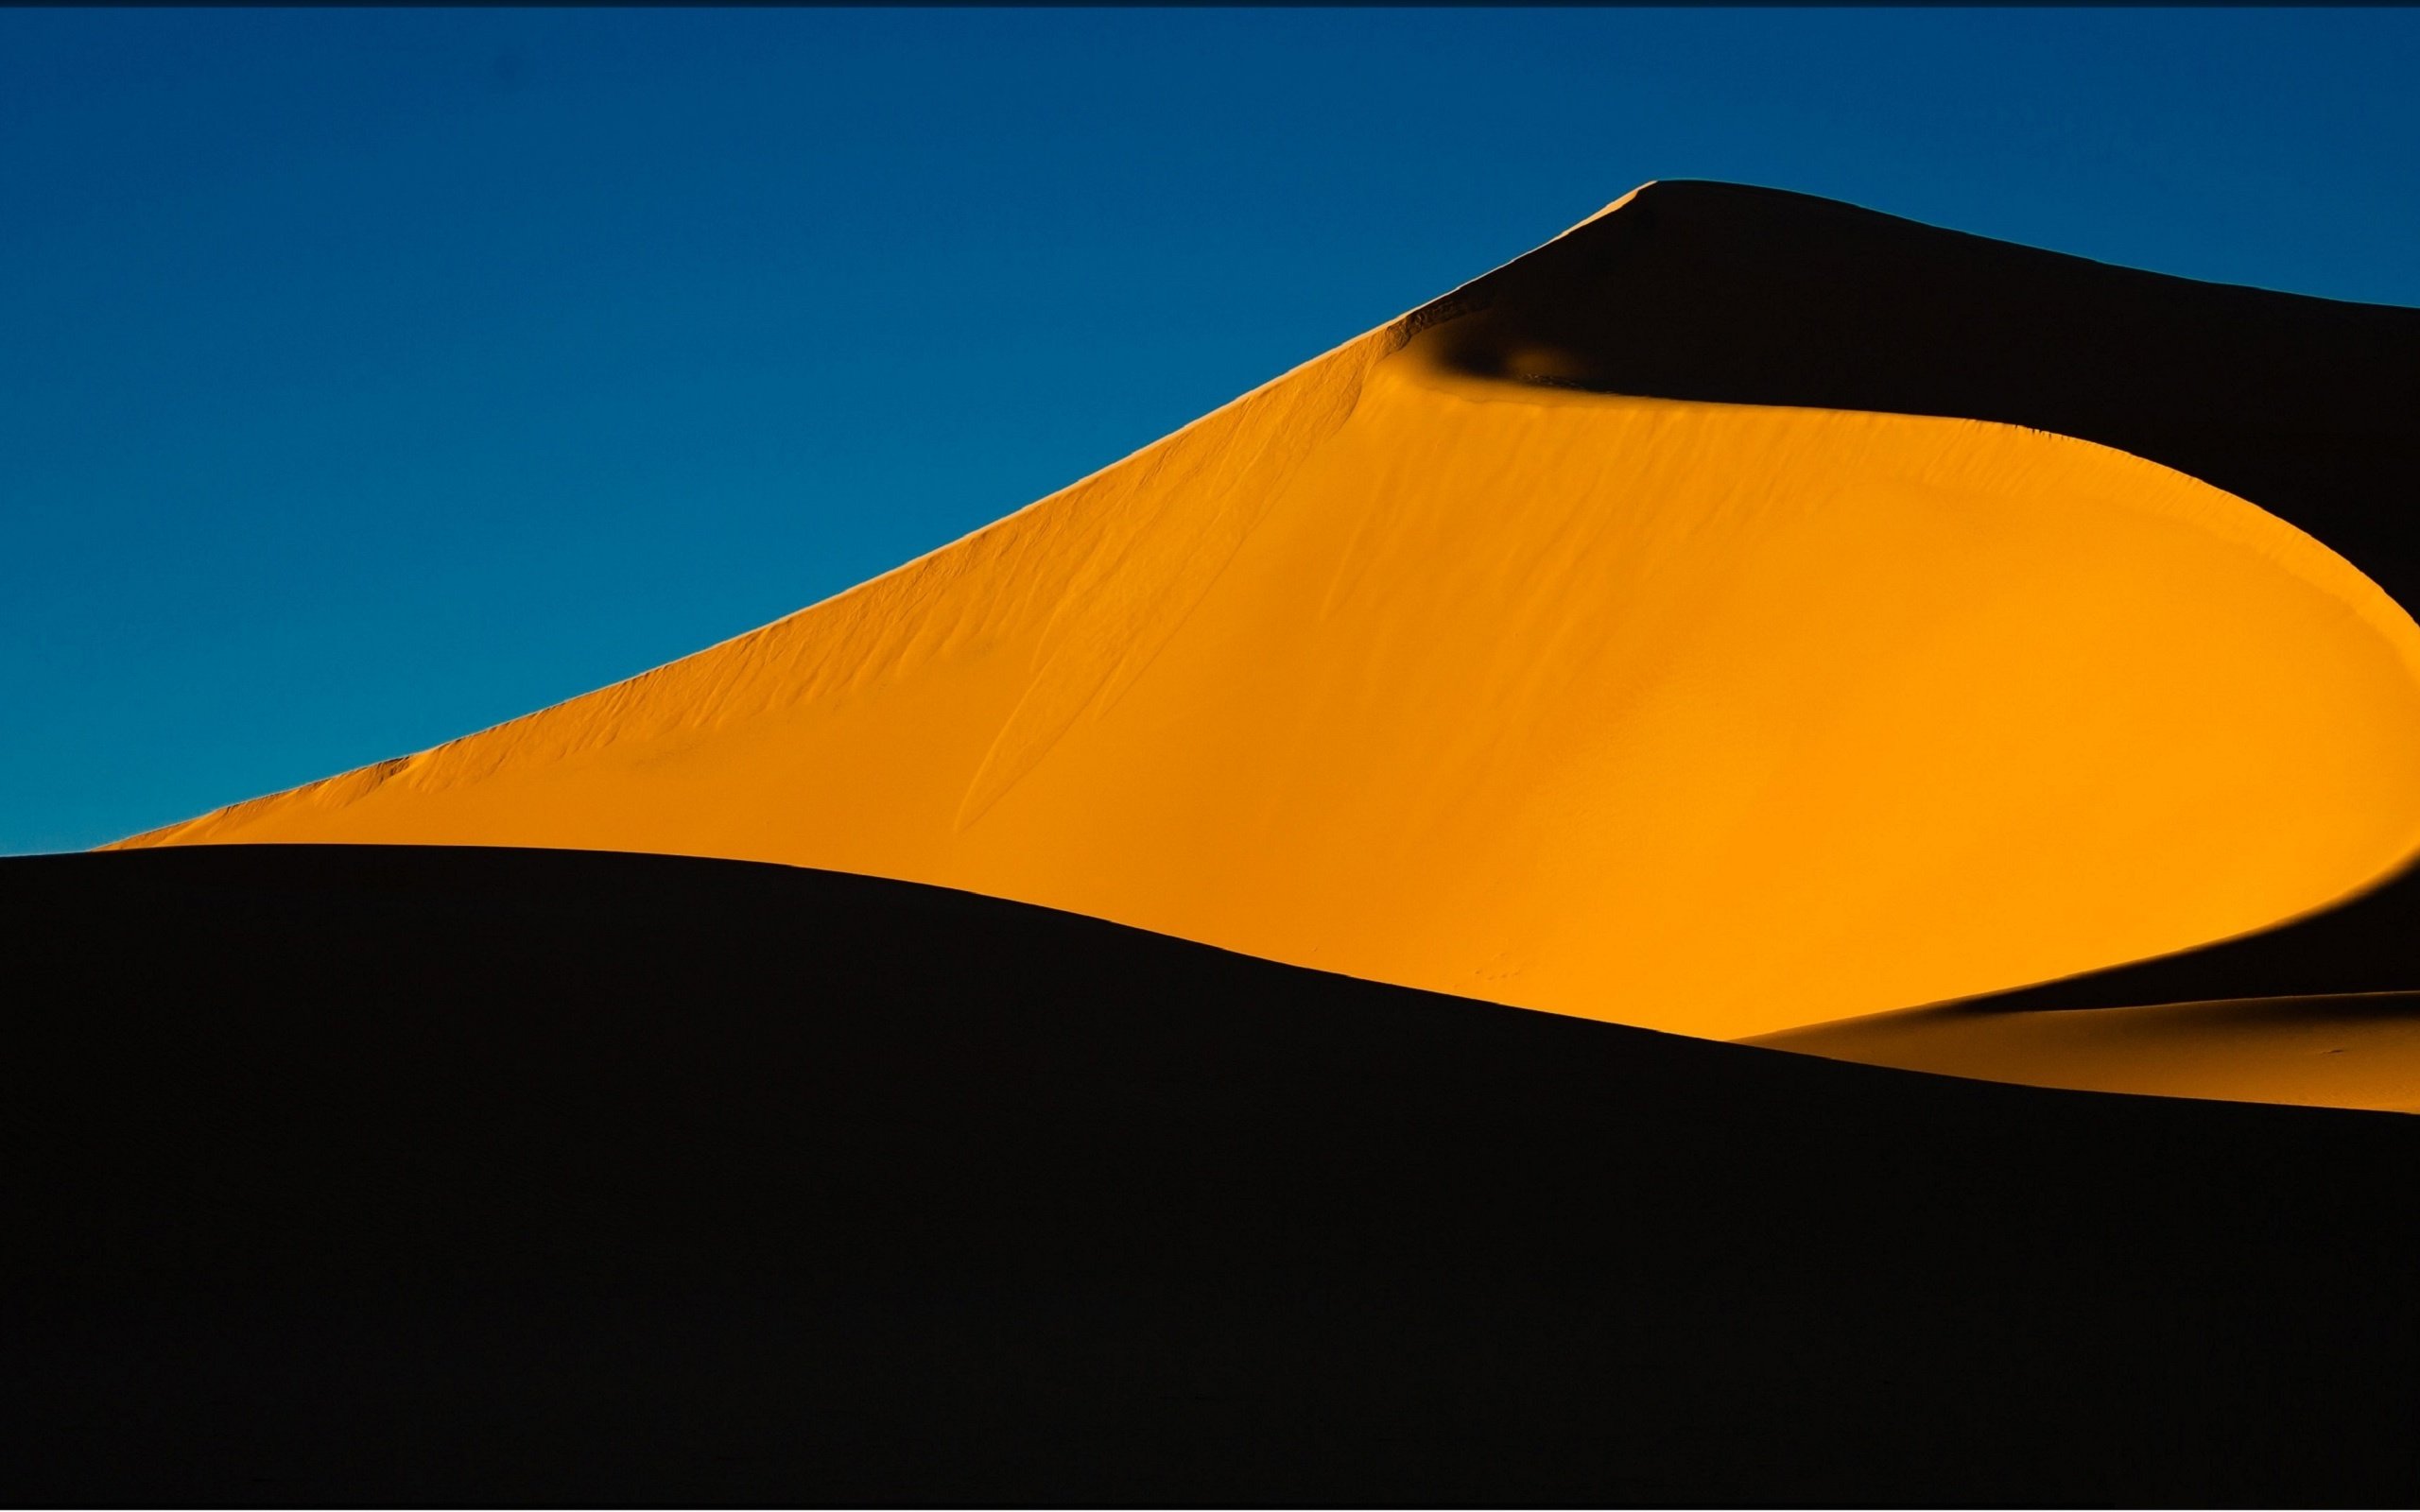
point(1710, 718)
point(2359, 1051)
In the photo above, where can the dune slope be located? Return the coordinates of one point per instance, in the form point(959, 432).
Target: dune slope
point(1724, 292)
point(1448, 671)
point(1750, 295)
point(2324, 1052)
point(432, 1175)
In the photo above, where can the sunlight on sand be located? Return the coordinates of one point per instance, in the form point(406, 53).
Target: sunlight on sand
point(1710, 718)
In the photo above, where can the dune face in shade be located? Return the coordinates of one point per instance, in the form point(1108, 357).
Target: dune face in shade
point(2359, 1051)
point(1704, 717)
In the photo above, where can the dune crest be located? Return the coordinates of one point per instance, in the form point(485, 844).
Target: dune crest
point(1706, 717)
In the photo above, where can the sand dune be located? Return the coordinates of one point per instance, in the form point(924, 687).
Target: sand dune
point(2330, 1051)
point(426, 1176)
point(1452, 674)
point(1743, 616)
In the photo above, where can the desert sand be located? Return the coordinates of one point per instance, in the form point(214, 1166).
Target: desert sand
point(426, 1176)
point(2360, 1051)
point(1717, 718)
point(1744, 616)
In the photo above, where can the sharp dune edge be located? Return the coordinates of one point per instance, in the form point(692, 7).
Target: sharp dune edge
point(1723, 719)
point(1743, 615)
point(427, 1176)
point(2356, 1051)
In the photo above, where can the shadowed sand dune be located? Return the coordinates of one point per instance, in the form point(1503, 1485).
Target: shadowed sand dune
point(430, 1176)
point(1757, 296)
point(1741, 295)
point(1739, 616)
point(2325, 1052)
point(1692, 624)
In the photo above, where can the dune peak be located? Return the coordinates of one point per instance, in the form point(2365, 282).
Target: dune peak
point(1486, 653)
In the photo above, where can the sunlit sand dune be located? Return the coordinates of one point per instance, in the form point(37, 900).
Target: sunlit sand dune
point(1714, 718)
point(1743, 616)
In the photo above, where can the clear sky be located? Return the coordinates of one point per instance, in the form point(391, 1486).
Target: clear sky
point(367, 377)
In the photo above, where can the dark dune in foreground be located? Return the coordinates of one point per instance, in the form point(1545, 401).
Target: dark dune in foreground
point(1714, 619)
point(426, 1175)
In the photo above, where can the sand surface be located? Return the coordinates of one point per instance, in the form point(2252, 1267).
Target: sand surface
point(1441, 662)
point(2329, 1052)
point(433, 1175)
point(1704, 717)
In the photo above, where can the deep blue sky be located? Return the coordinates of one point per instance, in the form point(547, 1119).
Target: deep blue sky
point(369, 377)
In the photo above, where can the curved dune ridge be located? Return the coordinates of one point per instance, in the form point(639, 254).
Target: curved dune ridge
point(1717, 718)
point(2353, 1050)
point(433, 1175)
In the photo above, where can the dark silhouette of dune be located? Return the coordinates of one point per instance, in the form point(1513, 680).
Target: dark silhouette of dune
point(424, 1175)
point(436, 1173)
point(1765, 700)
